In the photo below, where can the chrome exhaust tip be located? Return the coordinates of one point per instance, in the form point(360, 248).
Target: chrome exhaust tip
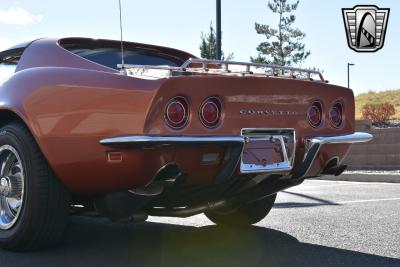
point(333, 167)
point(167, 175)
point(127, 206)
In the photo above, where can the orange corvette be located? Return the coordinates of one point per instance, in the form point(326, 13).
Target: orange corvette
point(158, 133)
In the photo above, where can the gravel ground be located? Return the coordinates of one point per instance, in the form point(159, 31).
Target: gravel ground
point(319, 223)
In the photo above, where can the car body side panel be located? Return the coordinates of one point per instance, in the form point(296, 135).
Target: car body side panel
point(70, 110)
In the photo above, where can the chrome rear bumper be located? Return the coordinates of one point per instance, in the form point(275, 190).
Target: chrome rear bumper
point(341, 139)
point(143, 140)
point(235, 146)
point(313, 146)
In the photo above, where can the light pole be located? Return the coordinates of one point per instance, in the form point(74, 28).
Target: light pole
point(348, 73)
point(219, 34)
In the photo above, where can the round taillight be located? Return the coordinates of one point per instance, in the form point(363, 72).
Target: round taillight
point(314, 114)
point(177, 112)
point(336, 115)
point(210, 112)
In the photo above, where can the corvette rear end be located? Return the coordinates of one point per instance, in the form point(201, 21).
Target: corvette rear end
point(166, 134)
point(212, 109)
point(238, 129)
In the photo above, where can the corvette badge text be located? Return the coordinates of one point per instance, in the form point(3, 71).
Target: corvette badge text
point(268, 112)
point(365, 27)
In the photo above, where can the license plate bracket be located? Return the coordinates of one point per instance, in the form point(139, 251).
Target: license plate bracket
point(268, 150)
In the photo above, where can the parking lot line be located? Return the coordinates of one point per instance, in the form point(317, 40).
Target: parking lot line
point(368, 200)
point(320, 183)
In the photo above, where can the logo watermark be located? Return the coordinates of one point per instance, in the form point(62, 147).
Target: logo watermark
point(365, 27)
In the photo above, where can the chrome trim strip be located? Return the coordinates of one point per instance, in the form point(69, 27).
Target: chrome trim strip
point(164, 140)
point(357, 137)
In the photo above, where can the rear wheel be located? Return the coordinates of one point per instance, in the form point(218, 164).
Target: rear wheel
point(246, 214)
point(33, 203)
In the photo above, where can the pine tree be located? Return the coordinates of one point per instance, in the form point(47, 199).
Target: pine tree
point(208, 45)
point(284, 45)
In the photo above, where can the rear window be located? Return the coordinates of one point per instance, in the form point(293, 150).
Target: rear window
point(8, 63)
point(111, 56)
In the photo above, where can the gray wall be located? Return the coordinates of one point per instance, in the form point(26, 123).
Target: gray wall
point(382, 153)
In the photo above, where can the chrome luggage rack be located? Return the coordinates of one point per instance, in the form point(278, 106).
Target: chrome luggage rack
point(219, 67)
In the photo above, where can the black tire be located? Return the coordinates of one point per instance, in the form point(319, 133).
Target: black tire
point(245, 215)
point(44, 210)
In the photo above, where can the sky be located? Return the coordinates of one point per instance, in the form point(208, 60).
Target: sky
point(179, 24)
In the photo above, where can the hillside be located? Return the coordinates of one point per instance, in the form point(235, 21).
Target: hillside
point(392, 96)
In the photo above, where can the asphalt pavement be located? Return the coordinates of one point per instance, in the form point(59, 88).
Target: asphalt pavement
point(319, 223)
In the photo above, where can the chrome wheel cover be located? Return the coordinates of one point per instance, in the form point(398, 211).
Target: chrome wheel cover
point(11, 186)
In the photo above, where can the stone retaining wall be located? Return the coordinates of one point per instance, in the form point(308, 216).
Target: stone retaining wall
point(382, 153)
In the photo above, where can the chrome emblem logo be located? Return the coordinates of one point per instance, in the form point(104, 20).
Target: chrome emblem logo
point(365, 27)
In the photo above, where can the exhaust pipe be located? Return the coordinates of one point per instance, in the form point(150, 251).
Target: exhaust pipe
point(125, 206)
point(332, 167)
point(167, 175)
point(266, 188)
point(336, 171)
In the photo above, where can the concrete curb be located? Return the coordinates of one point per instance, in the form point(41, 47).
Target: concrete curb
point(363, 177)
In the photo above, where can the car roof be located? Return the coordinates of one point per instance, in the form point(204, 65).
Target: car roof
point(117, 43)
point(82, 40)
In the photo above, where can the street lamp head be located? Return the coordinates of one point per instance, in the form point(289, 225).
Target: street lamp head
point(348, 73)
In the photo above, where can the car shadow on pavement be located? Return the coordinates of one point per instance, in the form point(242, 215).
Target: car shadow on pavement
point(316, 202)
point(97, 242)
